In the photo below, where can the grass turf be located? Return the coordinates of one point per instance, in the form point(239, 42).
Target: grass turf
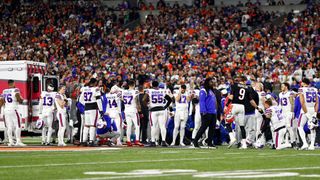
point(72, 165)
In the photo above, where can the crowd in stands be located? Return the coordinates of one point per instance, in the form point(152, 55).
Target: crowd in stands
point(84, 40)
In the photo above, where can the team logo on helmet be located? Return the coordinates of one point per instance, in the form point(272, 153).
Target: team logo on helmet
point(39, 124)
point(101, 124)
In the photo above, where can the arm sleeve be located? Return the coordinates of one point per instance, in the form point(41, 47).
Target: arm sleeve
point(202, 102)
point(169, 100)
point(41, 104)
point(104, 102)
point(98, 97)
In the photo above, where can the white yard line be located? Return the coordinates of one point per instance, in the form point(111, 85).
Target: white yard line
point(257, 173)
point(108, 162)
point(134, 176)
point(311, 175)
point(144, 161)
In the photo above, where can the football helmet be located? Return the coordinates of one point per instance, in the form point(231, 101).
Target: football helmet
point(39, 124)
point(101, 124)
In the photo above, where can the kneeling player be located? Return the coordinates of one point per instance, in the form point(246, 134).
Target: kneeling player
point(274, 116)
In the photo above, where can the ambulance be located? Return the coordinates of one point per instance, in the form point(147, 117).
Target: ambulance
point(30, 77)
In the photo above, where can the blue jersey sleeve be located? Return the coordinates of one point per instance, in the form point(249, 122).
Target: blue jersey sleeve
point(297, 107)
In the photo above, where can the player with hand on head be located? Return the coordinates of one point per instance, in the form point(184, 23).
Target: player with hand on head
point(182, 99)
point(46, 109)
point(61, 103)
point(91, 99)
point(12, 98)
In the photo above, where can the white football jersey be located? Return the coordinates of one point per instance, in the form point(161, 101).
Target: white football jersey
point(156, 97)
point(262, 96)
point(310, 97)
point(284, 101)
point(9, 96)
point(129, 100)
point(114, 102)
point(182, 104)
point(63, 98)
point(277, 119)
point(89, 94)
point(48, 100)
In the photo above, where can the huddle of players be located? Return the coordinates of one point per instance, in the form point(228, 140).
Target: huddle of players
point(276, 116)
point(252, 109)
point(49, 103)
point(158, 100)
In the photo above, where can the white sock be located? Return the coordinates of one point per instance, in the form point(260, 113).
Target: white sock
point(61, 135)
point(10, 137)
point(49, 134)
point(44, 134)
point(18, 134)
point(312, 137)
point(85, 134)
point(302, 135)
point(129, 132)
point(92, 133)
point(182, 132)
point(175, 134)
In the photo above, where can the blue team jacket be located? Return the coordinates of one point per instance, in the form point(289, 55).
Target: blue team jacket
point(207, 102)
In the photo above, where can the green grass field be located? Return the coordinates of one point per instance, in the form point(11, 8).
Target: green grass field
point(161, 163)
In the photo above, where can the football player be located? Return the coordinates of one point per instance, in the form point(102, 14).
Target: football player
point(286, 102)
point(197, 116)
point(159, 101)
point(61, 104)
point(12, 99)
point(91, 99)
point(273, 114)
point(240, 92)
point(46, 114)
point(309, 103)
point(182, 99)
point(113, 109)
point(262, 95)
point(132, 107)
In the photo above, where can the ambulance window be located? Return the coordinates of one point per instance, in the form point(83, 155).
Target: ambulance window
point(35, 84)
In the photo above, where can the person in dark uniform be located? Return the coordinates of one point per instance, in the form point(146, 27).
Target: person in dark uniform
point(144, 116)
point(239, 96)
point(250, 114)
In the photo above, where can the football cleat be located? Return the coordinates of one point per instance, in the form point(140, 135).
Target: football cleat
point(243, 144)
point(212, 147)
point(129, 144)
point(152, 144)
point(164, 144)
point(138, 143)
point(304, 147)
point(62, 144)
point(10, 144)
point(182, 144)
point(311, 148)
point(20, 144)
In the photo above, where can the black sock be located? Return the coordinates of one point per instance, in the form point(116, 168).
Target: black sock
point(243, 132)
